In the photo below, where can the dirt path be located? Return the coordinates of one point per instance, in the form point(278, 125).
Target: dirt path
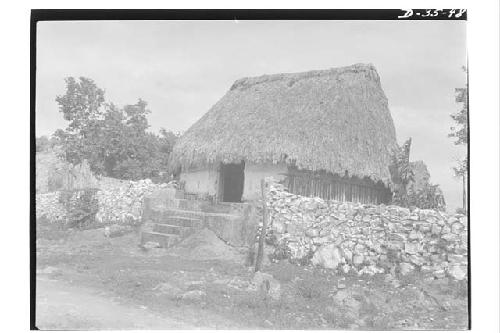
point(61, 306)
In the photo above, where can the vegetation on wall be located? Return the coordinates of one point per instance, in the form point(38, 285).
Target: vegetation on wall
point(115, 141)
point(405, 193)
point(81, 206)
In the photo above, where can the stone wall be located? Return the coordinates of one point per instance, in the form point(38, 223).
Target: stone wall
point(368, 238)
point(118, 202)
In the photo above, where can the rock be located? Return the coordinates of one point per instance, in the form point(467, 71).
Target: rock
point(278, 227)
point(340, 283)
point(327, 256)
point(359, 248)
point(312, 233)
point(405, 268)
point(415, 235)
point(151, 245)
point(341, 296)
point(417, 260)
point(439, 274)
point(347, 255)
point(449, 237)
point(412, 248)
point(458, 272)
point(167, 289)
point(193, 295)
point(117, 230)
point(267, 285)
point(358, 259)
point(395, 245)
point(445, 230)
point(456, 259)
point(320, 240)
point(457, 228)
point(370, 270)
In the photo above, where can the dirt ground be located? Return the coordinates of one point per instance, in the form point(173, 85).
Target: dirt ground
point(87, 281)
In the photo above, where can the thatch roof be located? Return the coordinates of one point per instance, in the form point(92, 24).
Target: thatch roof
point(334, 120)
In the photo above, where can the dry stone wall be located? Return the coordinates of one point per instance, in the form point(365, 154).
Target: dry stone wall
point(117, 204)
point(368, 239)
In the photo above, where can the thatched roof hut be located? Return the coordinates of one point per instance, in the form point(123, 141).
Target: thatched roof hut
point(335, 120)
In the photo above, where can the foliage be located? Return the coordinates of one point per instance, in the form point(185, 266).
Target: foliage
point(43, 143)
point(427, 197)
point(461, 169)
point(461, 131)
point(81, 206)
point(114, 140)
point(402, 174)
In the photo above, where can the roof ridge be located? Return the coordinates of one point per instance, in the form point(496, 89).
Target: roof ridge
point(246, 82)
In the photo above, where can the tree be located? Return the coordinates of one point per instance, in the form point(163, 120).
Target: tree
point(460, 133)
point(429, 196)
point(42, 144)
point(114, 140)
point(401, 173)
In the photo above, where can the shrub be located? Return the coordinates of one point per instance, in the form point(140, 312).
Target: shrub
point(81, 206)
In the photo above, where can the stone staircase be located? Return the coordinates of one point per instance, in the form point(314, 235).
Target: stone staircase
point(167, 222)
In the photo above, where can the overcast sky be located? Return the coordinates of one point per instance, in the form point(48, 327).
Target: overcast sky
point(181, 68)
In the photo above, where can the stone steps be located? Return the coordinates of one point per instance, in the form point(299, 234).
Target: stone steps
point(170, 215)
point(174, 229)
point(169, 220)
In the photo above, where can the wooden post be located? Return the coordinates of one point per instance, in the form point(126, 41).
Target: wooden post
point(260, 251)
point(464, 193)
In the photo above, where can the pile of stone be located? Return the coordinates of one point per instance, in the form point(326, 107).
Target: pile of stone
point(124, 204)
point(48, 206)
point(368, 239)
point(117, 204)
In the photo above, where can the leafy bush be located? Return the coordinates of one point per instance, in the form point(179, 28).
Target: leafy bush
point(115, 141)
point(81, 205)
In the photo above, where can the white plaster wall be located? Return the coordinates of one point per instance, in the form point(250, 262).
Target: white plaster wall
point(200, 181)
point(205, 181)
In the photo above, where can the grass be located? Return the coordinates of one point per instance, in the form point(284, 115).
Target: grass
point(310, 298)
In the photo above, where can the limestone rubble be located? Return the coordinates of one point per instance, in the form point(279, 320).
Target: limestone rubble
point(369, 238)
point(117, 204)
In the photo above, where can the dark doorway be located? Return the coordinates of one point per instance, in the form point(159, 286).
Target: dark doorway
point(232, 177)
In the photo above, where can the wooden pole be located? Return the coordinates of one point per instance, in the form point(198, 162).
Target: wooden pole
point(260, 251)
point(464, 193)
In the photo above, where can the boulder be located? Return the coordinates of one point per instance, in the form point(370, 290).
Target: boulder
point(358, 259)
point(457, 228)
point(415, 235)
point(327, 256)
point(193, 295)
point(435, 229)
point(405, 268)
point(412, 248)
point(312, 233)
point(458, 272)
point(439, 274)
point(117, 230)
